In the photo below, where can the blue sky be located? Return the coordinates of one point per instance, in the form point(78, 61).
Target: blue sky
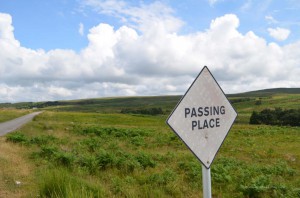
point(65, 49)
point(54, 24)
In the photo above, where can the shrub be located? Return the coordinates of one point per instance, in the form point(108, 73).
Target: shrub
point(129, 165)
point(254, 119)
point(276, 117)
point(48, 152)
point(145, 111)
point(126, 162)
point(258, 102)
point(192, 170)
point(137, 141)
point(257, 187)
point(145, 160)
point(238, 100)
point(162, 178)
point(105, 159)
point(88, 161)
point(64, 158)
point(91, 144)
point(279, 169)
point(16, 137)
point(44, 139)
point(134, 136)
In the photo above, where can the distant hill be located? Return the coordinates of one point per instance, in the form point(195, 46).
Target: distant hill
point(103, 105)
point(267, 98)
point(267, 92)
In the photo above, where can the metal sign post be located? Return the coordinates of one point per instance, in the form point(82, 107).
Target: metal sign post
point(202, 120)
point(206, 182)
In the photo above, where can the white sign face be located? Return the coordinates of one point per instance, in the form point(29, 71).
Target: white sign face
point(203, 117)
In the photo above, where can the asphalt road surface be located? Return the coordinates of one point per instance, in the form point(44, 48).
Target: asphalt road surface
point(9, 126)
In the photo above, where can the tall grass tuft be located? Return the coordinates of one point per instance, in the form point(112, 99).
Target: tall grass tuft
point(59, 183)
point(54, 183)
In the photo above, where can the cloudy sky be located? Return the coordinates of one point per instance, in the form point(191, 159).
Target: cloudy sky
point(71, 49)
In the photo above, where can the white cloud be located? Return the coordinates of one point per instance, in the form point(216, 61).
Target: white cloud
point(246, 6)
point(59, 91)
point(145, 17)
point(270, 19)
point(81, 29)
point(279, 34)
point(212, 2)
point(6, 29)
point(127, 61)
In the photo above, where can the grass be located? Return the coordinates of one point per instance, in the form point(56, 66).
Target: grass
point(15, 168)
point(89, 154)
point(106, 155)
point(8, 114)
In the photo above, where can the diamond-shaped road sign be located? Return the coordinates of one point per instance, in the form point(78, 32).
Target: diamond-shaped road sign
point(203, 117)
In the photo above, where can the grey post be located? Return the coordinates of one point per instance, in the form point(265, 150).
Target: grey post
point(206, 182)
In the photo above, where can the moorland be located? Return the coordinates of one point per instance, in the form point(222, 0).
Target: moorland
point(121, 147)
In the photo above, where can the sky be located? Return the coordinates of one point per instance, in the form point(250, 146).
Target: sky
point(75, 49)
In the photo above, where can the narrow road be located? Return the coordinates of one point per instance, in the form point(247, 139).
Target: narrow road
point(14, 124)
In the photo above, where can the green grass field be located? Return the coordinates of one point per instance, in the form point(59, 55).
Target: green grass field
point(92, 152)
point(10, 113)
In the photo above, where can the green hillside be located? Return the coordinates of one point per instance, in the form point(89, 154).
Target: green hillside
point(277, 91)
point(245, 103)
point(108, 105)
point(87, 148)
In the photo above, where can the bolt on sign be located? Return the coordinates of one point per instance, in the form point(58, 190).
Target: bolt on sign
point(203, 117)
